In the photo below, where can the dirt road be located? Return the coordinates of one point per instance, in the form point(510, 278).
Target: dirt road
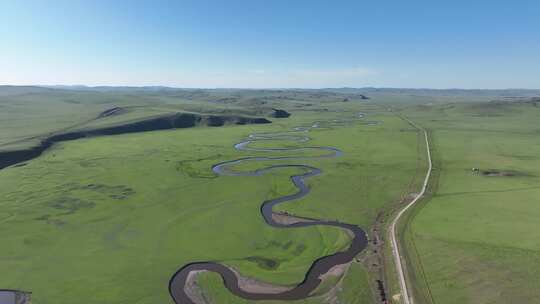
point(407, 298)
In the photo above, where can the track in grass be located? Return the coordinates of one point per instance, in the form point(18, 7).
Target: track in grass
point(320, 266)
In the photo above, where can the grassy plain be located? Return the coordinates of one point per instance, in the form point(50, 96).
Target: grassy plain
point(477, 239)
point(110, 219)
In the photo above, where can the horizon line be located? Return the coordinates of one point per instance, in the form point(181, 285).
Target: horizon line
point(82, 86)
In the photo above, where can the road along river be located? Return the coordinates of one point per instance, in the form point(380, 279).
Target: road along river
point(320, 266)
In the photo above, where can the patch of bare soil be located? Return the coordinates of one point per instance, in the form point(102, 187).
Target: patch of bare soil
point(288, 219)
point(193, 289)
point(331, 296)
point(255, 286)
point(335, 271)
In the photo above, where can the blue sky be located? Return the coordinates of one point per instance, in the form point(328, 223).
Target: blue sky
point(268, 44)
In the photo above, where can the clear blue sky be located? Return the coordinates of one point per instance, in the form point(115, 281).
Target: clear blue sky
point(252, 43)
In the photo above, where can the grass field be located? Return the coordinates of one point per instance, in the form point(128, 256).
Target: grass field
point(110, 219)
point(477, 239)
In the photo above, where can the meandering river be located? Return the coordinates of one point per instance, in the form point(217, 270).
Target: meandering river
point(320, 266)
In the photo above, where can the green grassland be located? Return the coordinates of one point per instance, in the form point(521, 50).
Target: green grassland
point(110, 219)
point(29, 113)
point(477, 239)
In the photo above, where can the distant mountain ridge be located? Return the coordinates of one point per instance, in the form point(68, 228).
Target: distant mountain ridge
point(12, 89)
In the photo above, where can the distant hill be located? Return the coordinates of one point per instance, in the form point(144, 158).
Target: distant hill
point(439, 92)
point(7, 90)
point(269, 95)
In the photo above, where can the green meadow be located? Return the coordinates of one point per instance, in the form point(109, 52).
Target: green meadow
point(477, 238)
point(110, 219)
